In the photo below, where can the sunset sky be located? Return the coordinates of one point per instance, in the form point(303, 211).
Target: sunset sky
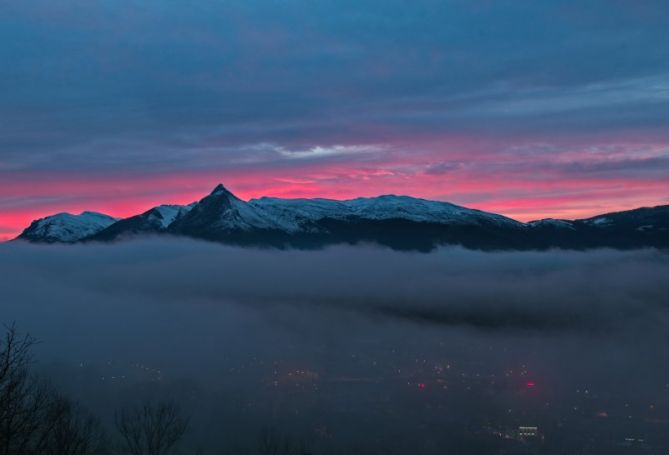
point(529, 108)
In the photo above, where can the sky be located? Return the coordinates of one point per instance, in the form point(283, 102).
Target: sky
point(529, 108)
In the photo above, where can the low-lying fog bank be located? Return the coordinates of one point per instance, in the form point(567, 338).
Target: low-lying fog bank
point(343, 347)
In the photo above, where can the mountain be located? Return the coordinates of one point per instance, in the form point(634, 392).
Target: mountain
point(66, 228)
point(638, 228)
point(399, 222)
point(222, 214)
point(153, 221)
point(387, 207)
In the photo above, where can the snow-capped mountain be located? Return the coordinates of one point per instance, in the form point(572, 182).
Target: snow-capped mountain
point(223, 217)
point(400, 222)
point(386, 207)
point(222, 211)
point(66, 227)
point(153, 221)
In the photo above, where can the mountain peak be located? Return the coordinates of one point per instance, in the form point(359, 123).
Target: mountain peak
point(220, 189)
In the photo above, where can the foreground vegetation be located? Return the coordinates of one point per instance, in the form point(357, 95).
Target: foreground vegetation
point(36, 419)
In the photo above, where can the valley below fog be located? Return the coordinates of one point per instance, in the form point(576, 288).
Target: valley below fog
point(357, 349)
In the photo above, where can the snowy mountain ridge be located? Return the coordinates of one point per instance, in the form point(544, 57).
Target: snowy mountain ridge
point(384, 207)
point(401, 222)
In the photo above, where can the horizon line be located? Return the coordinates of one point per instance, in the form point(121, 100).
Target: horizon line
point(12, 236)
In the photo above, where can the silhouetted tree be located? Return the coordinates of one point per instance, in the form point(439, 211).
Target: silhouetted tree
point(272, 443)
point(75, 431)
point(153, 429)
point(26, 404)
point(34, 419)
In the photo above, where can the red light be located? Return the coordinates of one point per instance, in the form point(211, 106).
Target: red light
point(531, 384)
point(421, 385)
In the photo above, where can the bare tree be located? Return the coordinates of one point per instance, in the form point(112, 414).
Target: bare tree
point(75, 431)
point(153, 429)
point(302, 449)
point(26, 403)
point(34, 419)
point(272, 443)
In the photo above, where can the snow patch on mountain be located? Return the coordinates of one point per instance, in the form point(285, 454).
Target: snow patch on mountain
point(552, 222)
point(646, 227)
point(599, 221)
point(164, 215)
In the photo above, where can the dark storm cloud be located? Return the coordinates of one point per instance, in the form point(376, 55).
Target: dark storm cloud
point(555, 291)
point(154, 74)
point(443, 168)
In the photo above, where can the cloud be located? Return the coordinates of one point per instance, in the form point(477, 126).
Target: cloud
point(247, 338)
point(335, 150)
point(443, 168)
point(454, 287)
point(317, 74)
point(314, 91)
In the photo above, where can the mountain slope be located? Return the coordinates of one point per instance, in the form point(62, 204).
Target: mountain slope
point(637, 228)
point(386, 207)
point(222, 216)
point(153, 221)
point(66, 227)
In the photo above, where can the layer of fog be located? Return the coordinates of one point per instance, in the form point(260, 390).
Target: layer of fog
point(557, 290)
point(217, 321)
